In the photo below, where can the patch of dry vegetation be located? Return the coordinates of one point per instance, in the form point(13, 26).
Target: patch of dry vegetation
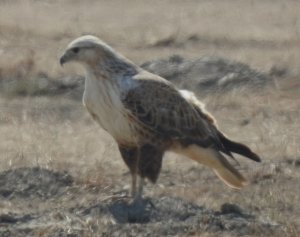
point(58, 134)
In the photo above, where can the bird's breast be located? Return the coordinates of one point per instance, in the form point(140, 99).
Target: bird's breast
point(103, 101)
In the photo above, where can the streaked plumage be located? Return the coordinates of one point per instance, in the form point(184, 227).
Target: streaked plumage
point(147, 115)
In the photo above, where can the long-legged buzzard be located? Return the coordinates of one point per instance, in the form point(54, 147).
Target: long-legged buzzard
point(147, 116)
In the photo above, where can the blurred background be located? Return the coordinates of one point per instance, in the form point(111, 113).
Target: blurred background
point(262, 34)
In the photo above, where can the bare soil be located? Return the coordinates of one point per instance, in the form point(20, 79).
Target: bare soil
point(49, 203)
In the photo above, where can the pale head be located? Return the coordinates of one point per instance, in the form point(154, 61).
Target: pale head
point(87, 50)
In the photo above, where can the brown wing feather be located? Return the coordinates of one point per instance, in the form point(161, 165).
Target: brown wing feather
point(160, 107)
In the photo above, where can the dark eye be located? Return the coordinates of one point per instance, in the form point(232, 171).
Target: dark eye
point(75, 50)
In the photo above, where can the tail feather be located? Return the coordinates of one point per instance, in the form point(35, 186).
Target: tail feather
point(215, 160)
point(238, 148)
point(229, 175)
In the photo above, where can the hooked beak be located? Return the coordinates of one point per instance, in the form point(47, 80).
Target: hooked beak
point(62, 59)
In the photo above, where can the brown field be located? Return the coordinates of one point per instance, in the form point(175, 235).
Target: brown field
point(56, 133)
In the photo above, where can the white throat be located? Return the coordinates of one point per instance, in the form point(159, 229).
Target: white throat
point(102, 98)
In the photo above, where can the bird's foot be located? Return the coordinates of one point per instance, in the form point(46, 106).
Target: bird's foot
point(141, 203)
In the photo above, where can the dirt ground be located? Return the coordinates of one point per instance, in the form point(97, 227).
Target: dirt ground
point(61, 175)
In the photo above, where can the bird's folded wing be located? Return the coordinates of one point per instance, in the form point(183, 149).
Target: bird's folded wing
point(158, 106)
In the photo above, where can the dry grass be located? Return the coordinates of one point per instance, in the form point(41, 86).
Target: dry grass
point(57, 133)
point(253, 32)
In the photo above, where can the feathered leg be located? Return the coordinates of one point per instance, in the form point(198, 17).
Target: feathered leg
point(130, 157)
point(149, 165)
point(150, 162)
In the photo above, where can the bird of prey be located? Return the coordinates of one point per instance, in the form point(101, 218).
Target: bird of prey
point(147, 116)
